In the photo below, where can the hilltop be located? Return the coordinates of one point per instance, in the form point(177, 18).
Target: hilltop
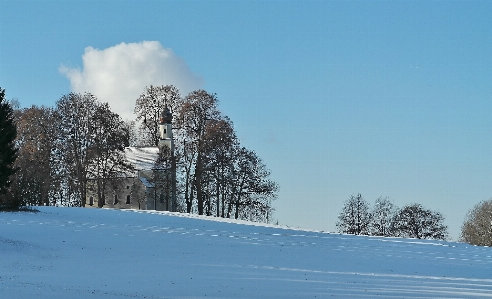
point(102, 253)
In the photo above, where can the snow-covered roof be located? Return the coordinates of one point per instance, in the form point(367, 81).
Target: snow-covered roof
point(142, 158)
point(146, 182)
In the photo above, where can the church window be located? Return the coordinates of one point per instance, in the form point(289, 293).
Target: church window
point(91, 201)
point(115, 199)
point(128, 201)
point(165, 131)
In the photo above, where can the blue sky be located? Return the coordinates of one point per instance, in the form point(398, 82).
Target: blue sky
point(382, 98)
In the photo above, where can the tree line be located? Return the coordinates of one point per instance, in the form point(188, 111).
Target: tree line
point(59, 149)
point(387, 220)
point(412, 221)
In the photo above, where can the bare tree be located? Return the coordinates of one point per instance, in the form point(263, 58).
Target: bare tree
point(76, 138)
point(91, 143)
point(215, 176)
point(133, 136)
point(36, 181)
point(186, 164)
point(477, 227)
point(381, 216)
point(414, 221)
point(220, 142)
point(196, 112)
point(355, 217)
point(252, 192)
point(110, 137)
point(148, 108)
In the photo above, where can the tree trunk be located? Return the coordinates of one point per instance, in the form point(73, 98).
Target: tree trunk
point(173, 186)
point(217, 187)
point(189, 204)
point(229, 206)
point(187, 192)
point(198, 183)
point(236, 215)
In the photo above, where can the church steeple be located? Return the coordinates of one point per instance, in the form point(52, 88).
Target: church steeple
point(166, 130)
point(168, 172)
point(166, 116)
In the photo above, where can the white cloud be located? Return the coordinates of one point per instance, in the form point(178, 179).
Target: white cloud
point(119, 74)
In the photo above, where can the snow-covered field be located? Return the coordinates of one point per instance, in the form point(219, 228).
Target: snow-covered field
point(100, 253)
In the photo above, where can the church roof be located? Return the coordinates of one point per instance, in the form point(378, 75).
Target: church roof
point(142, 158)
point(166, 116)
point(146, 182)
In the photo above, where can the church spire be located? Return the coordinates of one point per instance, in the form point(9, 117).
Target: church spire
point(165, 128)
point(166, 116)
point(166, 148)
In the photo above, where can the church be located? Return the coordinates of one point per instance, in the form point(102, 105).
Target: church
point(152, 186)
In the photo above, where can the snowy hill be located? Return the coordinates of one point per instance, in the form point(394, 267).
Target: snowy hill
point(100, 253)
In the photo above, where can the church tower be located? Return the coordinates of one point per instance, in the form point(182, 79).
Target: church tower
point(166, 131)
point(166, 150)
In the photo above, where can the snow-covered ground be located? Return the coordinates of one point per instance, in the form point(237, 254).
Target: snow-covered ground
point(100, 253)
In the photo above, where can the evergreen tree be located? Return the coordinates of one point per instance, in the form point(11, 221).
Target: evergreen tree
point(8, 151)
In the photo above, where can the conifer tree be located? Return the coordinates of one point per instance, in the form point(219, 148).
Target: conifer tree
point(8, 152)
